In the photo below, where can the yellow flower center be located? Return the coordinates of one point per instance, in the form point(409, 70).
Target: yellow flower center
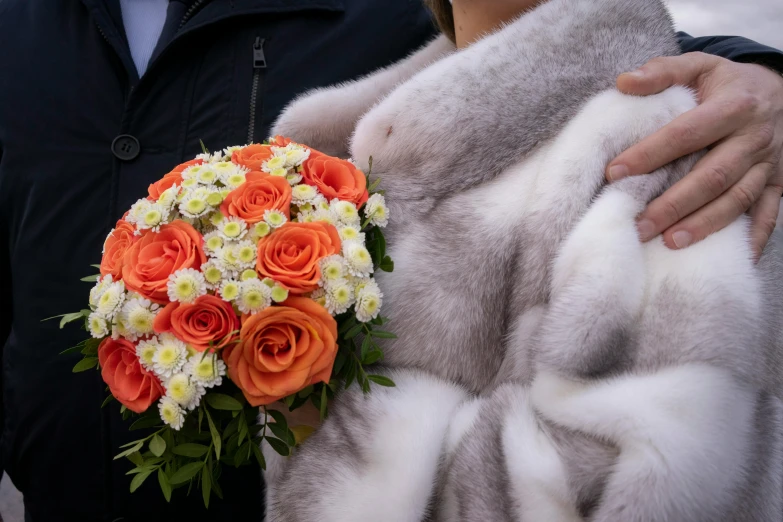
point(196, 206)
point(279, 294)
point(232, 229)
point(230, 292)
point(212, 275)
point(248, 274)
point(215, 199)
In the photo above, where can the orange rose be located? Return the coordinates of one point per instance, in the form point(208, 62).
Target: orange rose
point(150, 261)
point(290, 254)
point(128, 381)
point(280, 141)
point(170, 179)
point(208, 319)
point(252, 156)
point(259, 193)
point(120, 239)
point(283, 350)
point(336, 178)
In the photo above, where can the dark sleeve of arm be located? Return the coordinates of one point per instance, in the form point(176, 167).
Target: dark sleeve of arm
point(5, 307)
point(734, 48)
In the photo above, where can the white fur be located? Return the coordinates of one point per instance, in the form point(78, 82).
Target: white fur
point(687, 426)
point(536, 472)
point(407, 440)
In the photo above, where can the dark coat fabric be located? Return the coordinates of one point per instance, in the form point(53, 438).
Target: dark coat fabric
point(68, 92)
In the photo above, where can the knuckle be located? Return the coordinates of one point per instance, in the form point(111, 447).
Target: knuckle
point(766, 225)
point(672, 210)
point(764, 136)
point(715, 179)
point(742, 197)
point(707, 224)
point(744, 103)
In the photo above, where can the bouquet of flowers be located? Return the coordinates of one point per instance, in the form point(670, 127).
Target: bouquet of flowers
point(243, 279)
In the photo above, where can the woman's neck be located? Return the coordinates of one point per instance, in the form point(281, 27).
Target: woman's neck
point(474, 19)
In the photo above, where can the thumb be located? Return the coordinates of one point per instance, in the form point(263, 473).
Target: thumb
point(661, 73)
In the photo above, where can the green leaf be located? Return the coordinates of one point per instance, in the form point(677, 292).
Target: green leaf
point(206, 485)
point(91, 279)
point(138, 480)
point(305, 392)
point(347, 325)
point(372, 357)
point(324, 403)
point(220, 401)
point(203, 147)
point(85, 364)
point(190, 449)
point(186, 472)
point(383, 381)
point(165, 485)
point(353, 332)
point(259, 456)
point(157, 445)
point(136, 447)
point(382, 334)
point(79, 347)
point(373, 186)
point(215, 434)
point(136, 458)
point(147, 421)
point(242, 429)
point(279, 446)
point(96, 266)
point(242, 454)
point(278, 417)
point(367, 345)
point(387, 265)
point(107, 400)
point(283, 433)
point(378, 320)
point(350, 374)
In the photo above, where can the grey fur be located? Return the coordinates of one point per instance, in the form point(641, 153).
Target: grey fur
point(478, 314)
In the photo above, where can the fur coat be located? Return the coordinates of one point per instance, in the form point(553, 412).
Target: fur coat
point(549, 366)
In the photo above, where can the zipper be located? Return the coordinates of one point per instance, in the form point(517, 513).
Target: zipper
point(192, 10)
point(259, 64)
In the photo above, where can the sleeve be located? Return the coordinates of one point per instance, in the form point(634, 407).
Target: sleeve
point(5, 305)
point(735, 48)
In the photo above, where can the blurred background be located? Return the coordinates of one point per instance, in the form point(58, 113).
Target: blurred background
point(760, 20)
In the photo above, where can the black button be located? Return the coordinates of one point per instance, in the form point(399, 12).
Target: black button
point(125, 147)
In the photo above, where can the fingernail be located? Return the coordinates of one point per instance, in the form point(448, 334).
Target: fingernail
point(617, 172)
point(638, 73)
point(646, 229)
point(682, 239)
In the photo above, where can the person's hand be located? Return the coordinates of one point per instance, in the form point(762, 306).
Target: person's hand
point(740, 118)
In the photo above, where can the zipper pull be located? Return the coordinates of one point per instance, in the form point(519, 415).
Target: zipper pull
point(259, 60)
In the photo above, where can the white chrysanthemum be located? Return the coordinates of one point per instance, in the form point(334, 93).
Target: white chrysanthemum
point(358, 259)
point(184, 390)
point(205, 369)
point(345, 211)
point(214, 199)
point(228, 260)
point(233, 228)
point(137, 212)
point(351, 233)
point(213, 274)
point(194, 203)
point(369, 299)
point(229, 290)
point(111, 300)
point(215, 157)
point(235, 179)
point(246, 253)
point(146, 350)
point(320, 202)
point(186, 285)
point(97, 291)
point(229, 151)
point(319, 296)
point(226, 170)
point(274, 218)
point(325, 215)
point(339, 296)
point(259, 230)
point(302, 194)
point(213, 242)
point(295, 155)
point(217, 217)
point(139, 314)
point(279, 293)
point(170, 356)
point(206, 175)
point(293, 179)
point(171, 413)
point(277, 161)
point(332, 269)
point(253, 297)
point(168, 198)
point(376, 210)
point(154, 216)
point(193, 171)
point(99, 327)
point(119, 329)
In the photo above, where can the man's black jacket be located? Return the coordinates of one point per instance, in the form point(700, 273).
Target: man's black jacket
point(68, 88)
